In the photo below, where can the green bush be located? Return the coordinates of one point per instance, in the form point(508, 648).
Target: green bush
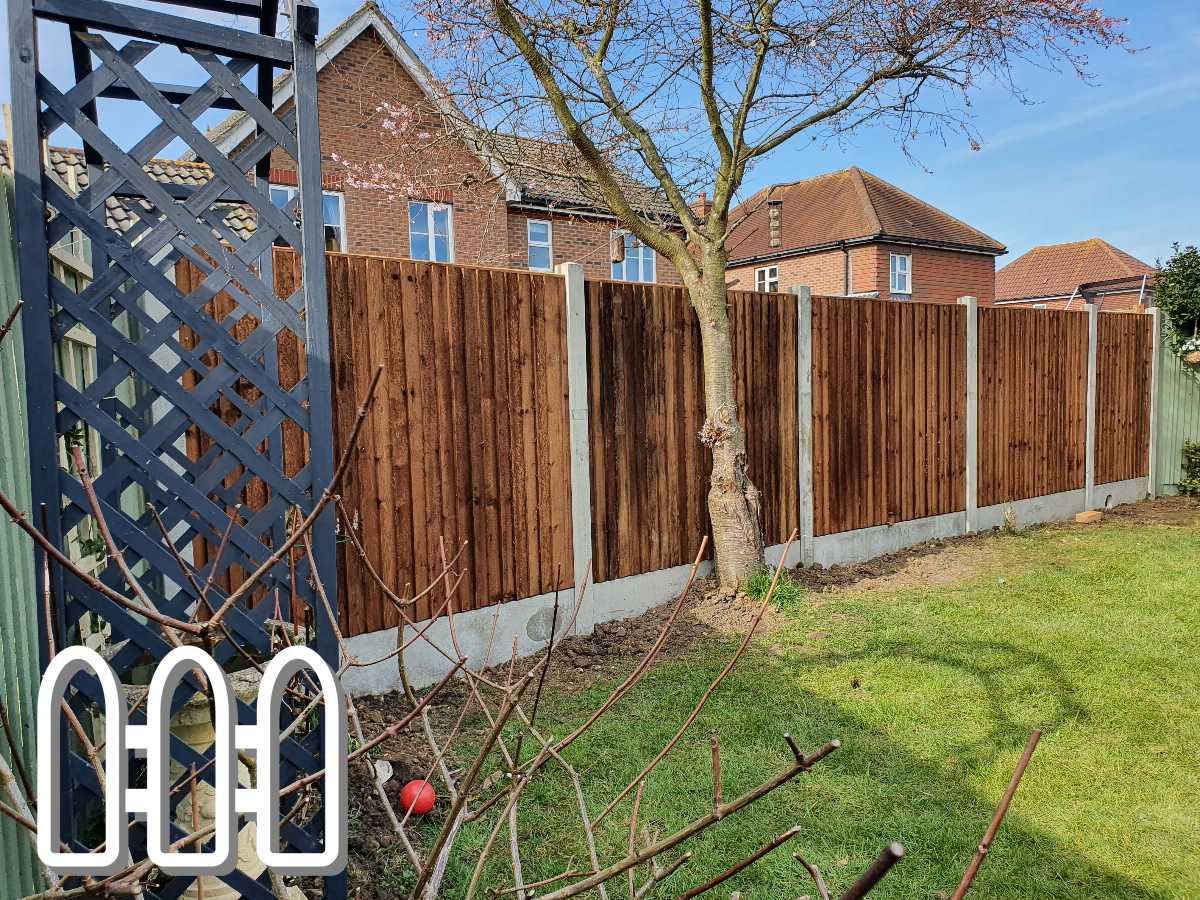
point(1177, 293)
point(1189, 484)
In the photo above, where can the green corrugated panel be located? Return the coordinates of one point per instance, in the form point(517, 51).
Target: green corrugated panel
point(1178, 416)
point(20, 666)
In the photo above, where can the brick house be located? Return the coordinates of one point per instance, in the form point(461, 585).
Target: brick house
point(1066, 276)
point(493, 200)
point(851, 233)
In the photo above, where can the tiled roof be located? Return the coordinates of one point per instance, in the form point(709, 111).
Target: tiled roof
point(554, 174)
point(1057, 270)
point(850, 205)
point(70, 170)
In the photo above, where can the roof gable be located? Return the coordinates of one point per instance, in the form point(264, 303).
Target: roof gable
point(851, 206)
point(1058, 270)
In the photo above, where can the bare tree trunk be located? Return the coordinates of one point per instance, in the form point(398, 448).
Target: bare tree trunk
point(733, 501)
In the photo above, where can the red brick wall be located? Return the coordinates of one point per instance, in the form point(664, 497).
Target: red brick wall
point(575, 238)
point(824, 272)
point(349, 90)
point(938, 276)
point(486, 232)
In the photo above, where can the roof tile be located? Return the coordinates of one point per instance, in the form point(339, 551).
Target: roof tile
point(1058, 270)
point(844, 206)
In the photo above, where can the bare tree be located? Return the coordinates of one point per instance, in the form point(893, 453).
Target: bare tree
point(690, 94)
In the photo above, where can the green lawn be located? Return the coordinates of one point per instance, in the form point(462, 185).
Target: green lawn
point(1092, 635)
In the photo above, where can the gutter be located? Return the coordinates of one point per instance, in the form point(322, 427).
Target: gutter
point(591, 212)
point(877, 238)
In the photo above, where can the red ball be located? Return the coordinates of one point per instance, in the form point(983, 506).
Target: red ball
point(417, 797)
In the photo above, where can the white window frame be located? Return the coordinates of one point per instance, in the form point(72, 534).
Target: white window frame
point(430, 206)
point(548, 243)
point(653, 257)
point(766, 280)
point(291, 190)
point(894, 272)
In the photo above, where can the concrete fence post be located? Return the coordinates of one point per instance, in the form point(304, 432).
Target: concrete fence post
point(577, 401)
point(804, 418)
point(972, 418)
point(1155, 379)
point(1089, 478)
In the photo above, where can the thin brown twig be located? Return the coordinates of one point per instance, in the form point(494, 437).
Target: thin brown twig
point(646, 661)
point(739, 866)
point(801, 763)
point(990, 835)
point(15, 752)
point(815, 874)
point(87, 578)
point(11, 318)
point(888, 857)
point(632, 843)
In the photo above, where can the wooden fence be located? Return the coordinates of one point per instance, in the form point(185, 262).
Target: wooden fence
point(889, 389)
point(1033, 374)
point(469, 438)
point(1123, 359)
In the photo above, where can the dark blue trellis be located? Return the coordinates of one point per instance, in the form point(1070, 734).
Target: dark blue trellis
point(152, 388)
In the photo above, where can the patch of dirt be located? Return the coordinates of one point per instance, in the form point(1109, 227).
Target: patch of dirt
point(932, 562)
point(1177, 511)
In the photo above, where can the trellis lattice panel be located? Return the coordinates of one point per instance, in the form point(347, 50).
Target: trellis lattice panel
point(174, 361)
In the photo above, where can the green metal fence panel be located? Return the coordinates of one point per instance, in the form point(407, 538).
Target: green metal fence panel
point(20, 665)
point(1178, 416)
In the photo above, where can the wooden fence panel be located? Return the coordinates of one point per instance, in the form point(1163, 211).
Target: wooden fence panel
point(1032, 402)
point(889, 403)
point(467, 440)
point(646, 407)
point(650, 473)
point(1123, 362)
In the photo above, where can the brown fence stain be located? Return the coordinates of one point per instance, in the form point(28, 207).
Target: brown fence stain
point(468, 438)
point(1032, 402)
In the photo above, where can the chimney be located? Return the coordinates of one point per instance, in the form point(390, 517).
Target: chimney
point(775, 221)
point(702, 206)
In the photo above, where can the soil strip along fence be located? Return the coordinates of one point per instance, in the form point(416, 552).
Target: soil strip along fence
point(550, 424)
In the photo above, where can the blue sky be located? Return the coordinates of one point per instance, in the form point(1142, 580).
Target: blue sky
point(1118, 158)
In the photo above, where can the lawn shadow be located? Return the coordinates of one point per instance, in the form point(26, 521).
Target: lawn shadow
point(875, 790)
point(989, 664)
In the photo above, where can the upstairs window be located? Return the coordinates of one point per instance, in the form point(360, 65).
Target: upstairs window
point(900, 268)
point(639, 262)
point(431, 231)
point(766, 280)
point(541, 250)
point(333, 214)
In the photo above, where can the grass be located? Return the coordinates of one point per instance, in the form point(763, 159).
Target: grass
point(789, 593)
point(1091, 634)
